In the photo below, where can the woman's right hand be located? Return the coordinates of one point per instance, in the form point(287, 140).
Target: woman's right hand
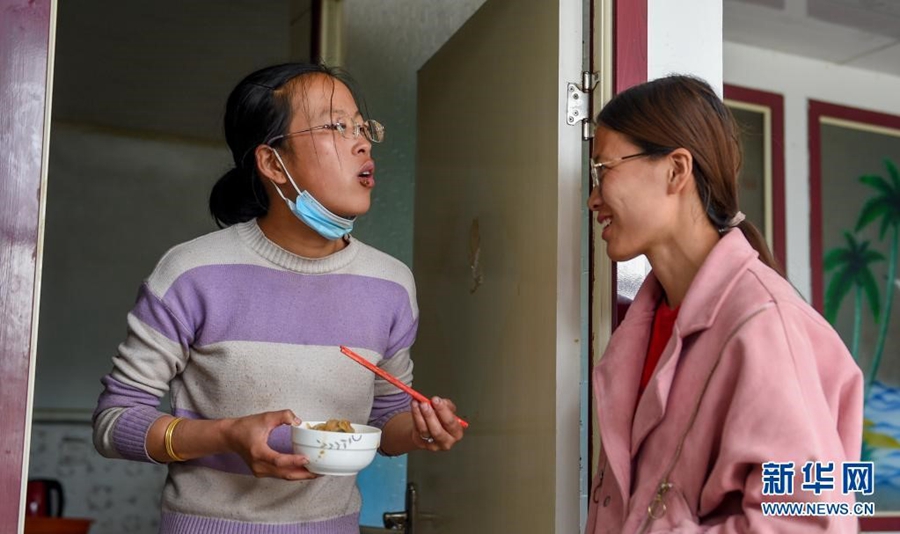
point(249, 437)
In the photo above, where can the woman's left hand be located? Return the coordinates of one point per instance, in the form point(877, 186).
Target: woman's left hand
point(436, 429)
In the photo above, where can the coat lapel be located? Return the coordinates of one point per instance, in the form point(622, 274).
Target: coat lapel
point(652, 404)
point(616, 380)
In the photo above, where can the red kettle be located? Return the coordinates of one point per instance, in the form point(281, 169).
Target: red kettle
point(44, 497)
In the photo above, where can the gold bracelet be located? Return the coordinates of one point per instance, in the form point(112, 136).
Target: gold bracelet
point(169, 430)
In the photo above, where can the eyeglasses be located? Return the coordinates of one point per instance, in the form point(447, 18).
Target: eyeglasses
point(372, 129)
point(597, 169)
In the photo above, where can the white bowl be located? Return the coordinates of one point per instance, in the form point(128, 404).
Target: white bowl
point(336, 453)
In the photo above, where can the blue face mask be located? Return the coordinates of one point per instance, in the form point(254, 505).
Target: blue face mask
point(313, 213)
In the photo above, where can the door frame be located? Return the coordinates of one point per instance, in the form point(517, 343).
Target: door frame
point(624, 53)
point(27, 31)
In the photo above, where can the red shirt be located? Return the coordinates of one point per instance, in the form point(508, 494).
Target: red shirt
point(663, 322)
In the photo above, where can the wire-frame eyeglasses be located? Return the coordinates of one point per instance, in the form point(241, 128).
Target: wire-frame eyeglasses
point(597, 169)
point(372, 129)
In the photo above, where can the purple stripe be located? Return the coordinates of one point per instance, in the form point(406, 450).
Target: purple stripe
point(154, 313)
point(386, 406)
point(176, 523)
point(279, 440)
point(402, 338)
point(129, 435)
point(119, 395)
point(226, 463)
point(252, 303)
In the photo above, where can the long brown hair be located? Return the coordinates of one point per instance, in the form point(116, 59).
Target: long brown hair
point(684, 112)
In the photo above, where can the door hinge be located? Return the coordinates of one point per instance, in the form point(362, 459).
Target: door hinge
point(578, 103)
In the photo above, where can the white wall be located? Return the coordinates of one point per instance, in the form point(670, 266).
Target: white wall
point(117, 495)
point(685, 37)
point(800, 79)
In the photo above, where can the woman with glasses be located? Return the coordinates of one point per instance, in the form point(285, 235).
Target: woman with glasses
point(242, 327)
point(722, 391)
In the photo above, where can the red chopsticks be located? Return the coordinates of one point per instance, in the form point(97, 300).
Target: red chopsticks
point(393, 380)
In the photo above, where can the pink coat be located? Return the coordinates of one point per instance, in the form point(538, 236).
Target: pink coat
point(767, 380)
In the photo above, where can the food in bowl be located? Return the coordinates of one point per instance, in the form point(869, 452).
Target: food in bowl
point(336, 453)
point(334, 425)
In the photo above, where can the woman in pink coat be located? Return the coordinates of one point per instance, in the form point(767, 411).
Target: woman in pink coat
point(720, 366)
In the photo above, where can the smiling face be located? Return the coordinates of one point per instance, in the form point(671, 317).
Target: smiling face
point(632, 201)
point(338, 171)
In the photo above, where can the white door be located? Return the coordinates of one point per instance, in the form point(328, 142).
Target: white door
point(497, 259)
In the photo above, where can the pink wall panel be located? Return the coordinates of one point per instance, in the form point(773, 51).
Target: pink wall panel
point(24, 45)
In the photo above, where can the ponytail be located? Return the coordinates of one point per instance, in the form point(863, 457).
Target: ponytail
point(758, 242)
point(238, 196)
point(725, 224)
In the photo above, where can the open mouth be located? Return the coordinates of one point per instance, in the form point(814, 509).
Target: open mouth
point(366, 174)
point(605, 222)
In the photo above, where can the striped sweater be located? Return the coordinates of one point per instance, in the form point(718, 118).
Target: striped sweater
point(230, 325)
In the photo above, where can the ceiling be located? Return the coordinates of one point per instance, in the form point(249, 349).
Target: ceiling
point(863, 34)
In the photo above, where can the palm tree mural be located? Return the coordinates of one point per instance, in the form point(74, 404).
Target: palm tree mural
point(885, 206)
point(852, 271)
point(852, 265)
